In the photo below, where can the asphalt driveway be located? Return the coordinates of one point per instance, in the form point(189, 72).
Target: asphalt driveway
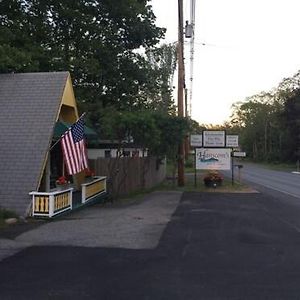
point(208, 246)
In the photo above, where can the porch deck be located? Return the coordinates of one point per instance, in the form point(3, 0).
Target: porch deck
point(54, 203)
point(77, 196)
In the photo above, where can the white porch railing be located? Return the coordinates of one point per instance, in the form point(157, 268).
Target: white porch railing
point(52, 203)
point(94, 188)
point(49, 204)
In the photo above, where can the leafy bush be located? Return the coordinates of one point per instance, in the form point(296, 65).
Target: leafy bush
point(5, 214)
point(189, 163)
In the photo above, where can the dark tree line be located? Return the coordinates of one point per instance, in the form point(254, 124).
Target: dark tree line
point(269, 123)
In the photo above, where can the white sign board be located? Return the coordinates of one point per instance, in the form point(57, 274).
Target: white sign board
point(213, 138)
point(213, 159)
point(196, 140)
point(232, 141)
point(239, 154)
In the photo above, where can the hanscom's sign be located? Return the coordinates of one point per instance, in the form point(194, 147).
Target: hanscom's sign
point(213, 159)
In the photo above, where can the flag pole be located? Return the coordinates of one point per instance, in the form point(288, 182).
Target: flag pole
point(63, 168)
point(66, 132)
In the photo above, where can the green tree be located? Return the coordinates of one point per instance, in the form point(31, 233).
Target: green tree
point(17, 46)
point(158, 132)
point(257, 118)
point(94, 40)
point(162, 64)
point(291, 124)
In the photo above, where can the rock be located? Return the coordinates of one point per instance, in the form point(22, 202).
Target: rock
point(11, 221)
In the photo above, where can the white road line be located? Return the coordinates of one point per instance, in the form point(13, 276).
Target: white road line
point(281, 191)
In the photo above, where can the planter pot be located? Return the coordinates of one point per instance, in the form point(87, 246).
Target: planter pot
point(88, 179)
point(212, 183)
point(62, 187)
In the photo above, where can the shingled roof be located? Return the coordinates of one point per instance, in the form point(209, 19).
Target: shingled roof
point(30, 104)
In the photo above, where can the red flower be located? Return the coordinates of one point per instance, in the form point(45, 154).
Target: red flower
point(89, 173)
point(213, 176)
point(61, 180)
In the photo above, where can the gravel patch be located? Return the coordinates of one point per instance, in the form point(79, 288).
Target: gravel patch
point(136, 226)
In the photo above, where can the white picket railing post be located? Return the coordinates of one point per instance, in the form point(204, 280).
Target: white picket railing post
point(51, 206)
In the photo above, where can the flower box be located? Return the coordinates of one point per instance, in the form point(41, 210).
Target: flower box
point(213, 179)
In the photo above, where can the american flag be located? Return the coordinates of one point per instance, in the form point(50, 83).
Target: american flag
point(74, 149)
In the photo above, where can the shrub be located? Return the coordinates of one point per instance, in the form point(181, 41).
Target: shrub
point(5, 214)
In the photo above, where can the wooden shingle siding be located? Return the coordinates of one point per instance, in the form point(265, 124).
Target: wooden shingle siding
point(29, 105)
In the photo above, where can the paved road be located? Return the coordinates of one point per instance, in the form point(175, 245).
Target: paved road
point(279, 181)
point(215, 246)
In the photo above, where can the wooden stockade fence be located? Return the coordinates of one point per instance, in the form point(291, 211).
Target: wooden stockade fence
point(129, 174)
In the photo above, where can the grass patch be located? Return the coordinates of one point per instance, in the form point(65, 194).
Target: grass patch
point(190, 185)
point(171, 185)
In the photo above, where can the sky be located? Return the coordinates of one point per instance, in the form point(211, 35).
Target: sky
point(250, 46)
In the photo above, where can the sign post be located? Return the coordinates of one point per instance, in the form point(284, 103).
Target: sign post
point(237, 154)
point(232, 168)
point(196, 141)
point(195, 163)
point(214, 150)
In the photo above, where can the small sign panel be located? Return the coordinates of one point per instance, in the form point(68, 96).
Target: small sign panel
point(196, 140)
point(232, 141)
point(239, 154)
point(212, 138)
point(213, 159)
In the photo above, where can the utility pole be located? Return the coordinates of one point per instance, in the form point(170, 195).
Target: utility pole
point(186, 140)
point(192, 43)
point(180, 90)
